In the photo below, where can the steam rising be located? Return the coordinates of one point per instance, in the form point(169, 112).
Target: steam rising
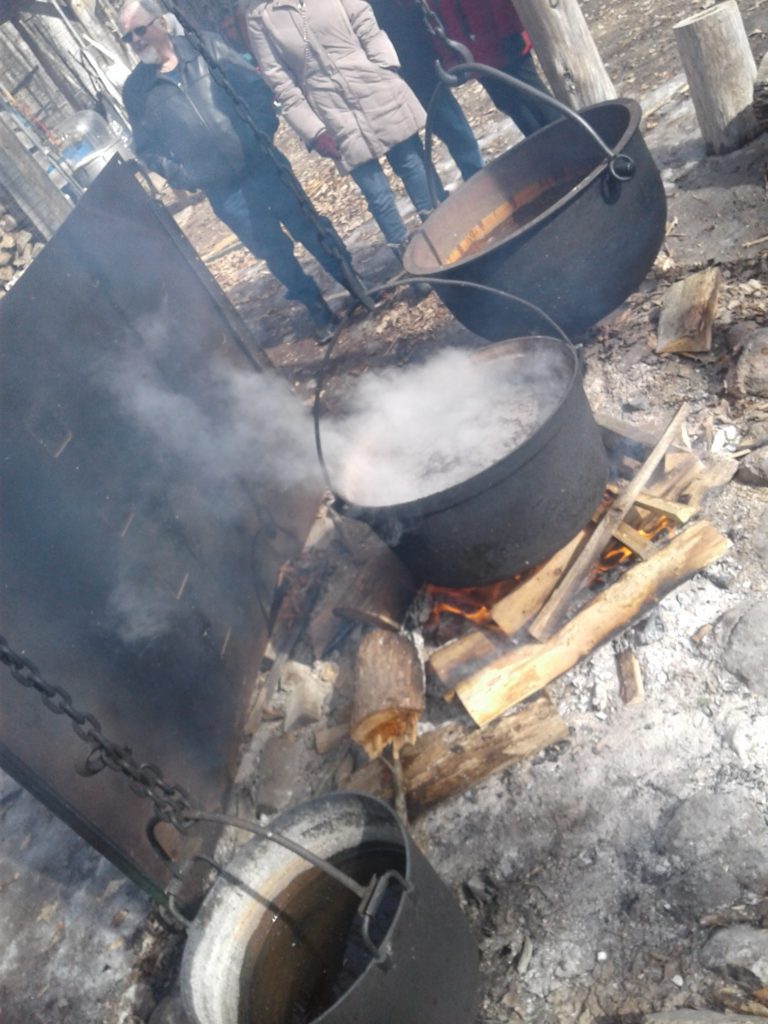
point(417, 432)
point(222, 442)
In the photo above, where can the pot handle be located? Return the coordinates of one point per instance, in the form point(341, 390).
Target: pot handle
point(370, 907)
point(620, 166)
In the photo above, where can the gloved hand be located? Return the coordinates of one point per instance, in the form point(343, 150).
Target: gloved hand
point(325, 144)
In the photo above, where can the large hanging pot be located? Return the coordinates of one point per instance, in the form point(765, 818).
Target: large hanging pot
point(560, 220)
point(278, 941)
point(519, 508)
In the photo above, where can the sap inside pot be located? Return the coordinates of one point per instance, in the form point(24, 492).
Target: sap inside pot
point(485, 467)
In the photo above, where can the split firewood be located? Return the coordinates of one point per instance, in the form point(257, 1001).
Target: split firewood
point(512, 612)
point(389, 692)
point(380, 593)
point(687, 314)
point(631, 688)
point(551, 615)
point(454, 757)
point(634, 540)
point(525, 670)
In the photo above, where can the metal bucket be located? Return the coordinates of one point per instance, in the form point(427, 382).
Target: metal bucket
point(554, 221)
point(275, 941)
point(520, 509)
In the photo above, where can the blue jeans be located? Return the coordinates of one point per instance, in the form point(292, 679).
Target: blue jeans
point(256, 208)
point(528, 113)
point(448, 123)
point(407, 161)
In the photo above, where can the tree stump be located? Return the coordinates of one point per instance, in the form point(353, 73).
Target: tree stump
point(721, 71)
point(566, 51)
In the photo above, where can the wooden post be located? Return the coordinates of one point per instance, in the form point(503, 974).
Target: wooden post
point(31, 188)
point(566, 51)
point(721, 72)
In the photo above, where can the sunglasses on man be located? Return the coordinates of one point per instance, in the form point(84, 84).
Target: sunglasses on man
point(139, 31)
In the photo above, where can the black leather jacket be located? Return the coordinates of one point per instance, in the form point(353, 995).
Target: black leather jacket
point(187, 128)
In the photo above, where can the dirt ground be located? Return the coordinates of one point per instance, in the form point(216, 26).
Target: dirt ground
point(604, 878)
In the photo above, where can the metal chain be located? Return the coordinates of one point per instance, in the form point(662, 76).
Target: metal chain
point(436, 29)
point(172, 803)
point(329, 237)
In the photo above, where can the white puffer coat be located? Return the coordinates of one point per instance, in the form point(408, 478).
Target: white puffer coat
point(331, 67)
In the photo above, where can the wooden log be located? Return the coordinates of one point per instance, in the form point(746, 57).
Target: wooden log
point(687, 314)
point(549, 618)
point(566, 51)
point(453, 758)
point(718, 63)
point(760, 95)
point(631, 689)
point(512, 612)
point(380, 593)
point(389, 692)
point(526, 670)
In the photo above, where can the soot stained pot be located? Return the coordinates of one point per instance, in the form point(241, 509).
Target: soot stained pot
point(518, 510)
point(548, 221)
point(263, 944)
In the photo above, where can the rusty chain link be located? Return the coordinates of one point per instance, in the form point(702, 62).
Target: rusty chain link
point(329, 237)
point(172, 803)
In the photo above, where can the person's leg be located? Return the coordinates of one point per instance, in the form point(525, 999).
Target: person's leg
point(407, 160)
point(528, 113)
point(245, 210)
point(448, 122)
point(372, 182)
point(329, 251)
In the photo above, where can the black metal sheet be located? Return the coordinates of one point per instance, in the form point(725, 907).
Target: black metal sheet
point(137, 562)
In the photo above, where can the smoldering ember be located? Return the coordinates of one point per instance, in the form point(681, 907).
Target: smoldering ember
point(470, 601)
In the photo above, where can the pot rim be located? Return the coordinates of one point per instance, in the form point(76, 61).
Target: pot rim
point(222, 899)
point(477, 483)
point(635, 116)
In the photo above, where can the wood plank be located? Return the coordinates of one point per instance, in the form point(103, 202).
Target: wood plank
point(512, 612)
point(453, 758)
point(549, 618)
point(527, 669)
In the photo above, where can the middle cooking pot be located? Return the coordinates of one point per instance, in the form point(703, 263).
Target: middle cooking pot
point(520, 508)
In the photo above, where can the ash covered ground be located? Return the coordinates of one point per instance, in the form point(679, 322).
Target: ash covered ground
point(626, 870)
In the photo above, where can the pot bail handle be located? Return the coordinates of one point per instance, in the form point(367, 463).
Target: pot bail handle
point(621, 166)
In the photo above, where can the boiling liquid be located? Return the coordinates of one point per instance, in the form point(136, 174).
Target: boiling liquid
point(310, 949)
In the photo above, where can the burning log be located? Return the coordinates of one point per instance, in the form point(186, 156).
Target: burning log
point(389, 692)
point(687, 314)
point(525, 670)
point(547, 621)
point(455, 757)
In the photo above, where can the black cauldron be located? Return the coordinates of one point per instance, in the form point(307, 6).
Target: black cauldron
point(519, 509)
point(554, 221)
